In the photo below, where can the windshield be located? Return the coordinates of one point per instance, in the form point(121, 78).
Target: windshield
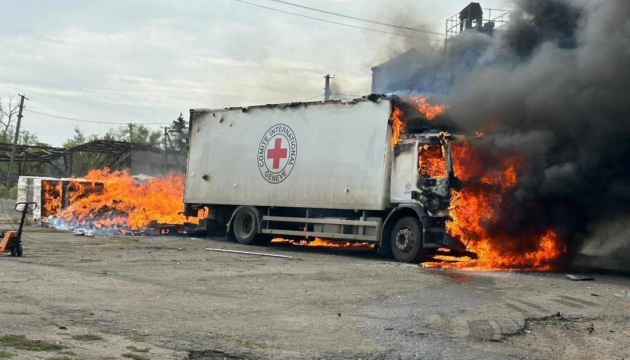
point(432, 161)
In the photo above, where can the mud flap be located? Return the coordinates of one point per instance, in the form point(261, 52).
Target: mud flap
point(435, 235)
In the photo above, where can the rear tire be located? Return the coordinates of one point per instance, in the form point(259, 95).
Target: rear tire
point(245, 228)
point(406, 240)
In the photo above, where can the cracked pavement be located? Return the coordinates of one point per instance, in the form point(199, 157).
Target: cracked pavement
point(180, 301)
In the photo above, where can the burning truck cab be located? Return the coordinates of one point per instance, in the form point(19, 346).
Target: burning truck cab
point(347, 171)
point(431, 167)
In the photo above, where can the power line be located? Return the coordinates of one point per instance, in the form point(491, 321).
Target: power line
point(311, 98)
point(335, 22)
point(92, 121)
point(352, 95)
point(358, 18)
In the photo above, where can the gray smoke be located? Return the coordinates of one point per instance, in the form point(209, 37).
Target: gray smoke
point(554, 87)
point(610, 238)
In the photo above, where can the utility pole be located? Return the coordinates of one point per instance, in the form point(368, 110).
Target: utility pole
point(165, 146)
point(327, 91)
point(15, 141)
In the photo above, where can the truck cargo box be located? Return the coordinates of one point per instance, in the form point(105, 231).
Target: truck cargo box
point(318, 155)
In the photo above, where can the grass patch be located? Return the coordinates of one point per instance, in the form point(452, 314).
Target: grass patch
point(135, 356)
point(133, 348)
point(20, 342)
point(138, 339)
point(252, 345)
point(88, 260)
point(60, 358)
point(17, 313)
point(87, 337)
point(6, 355)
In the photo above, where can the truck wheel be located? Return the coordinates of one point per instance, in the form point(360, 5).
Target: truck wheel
point(406, 241)
point(13, 251)
point(19, 251)
point(245, 225)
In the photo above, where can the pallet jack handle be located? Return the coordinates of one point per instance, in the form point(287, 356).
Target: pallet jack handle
point(24, 207)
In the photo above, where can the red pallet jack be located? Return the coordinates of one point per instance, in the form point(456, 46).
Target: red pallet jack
point(11, 239)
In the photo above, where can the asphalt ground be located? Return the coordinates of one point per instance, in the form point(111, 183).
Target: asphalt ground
point(73, 297)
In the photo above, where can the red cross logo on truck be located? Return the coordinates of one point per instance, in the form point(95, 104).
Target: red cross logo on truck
point(277, 153)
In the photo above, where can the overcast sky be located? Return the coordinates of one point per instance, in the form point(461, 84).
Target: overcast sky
point(145, 61)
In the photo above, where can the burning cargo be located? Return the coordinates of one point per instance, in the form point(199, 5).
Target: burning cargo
point(339, 170)
point(51, 194)
point(111, 202)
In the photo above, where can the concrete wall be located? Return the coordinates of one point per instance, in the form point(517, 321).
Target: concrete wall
point(154, 163)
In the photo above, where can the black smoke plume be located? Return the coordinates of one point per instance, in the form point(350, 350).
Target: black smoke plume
point(554, 87)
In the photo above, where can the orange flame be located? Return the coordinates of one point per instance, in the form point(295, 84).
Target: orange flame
point(115, 200)
point(319, 243)
point(431, 161)
point(423, 107)
point(418, 103)
point(51, 197)
point(397, 125)
point(479, 205)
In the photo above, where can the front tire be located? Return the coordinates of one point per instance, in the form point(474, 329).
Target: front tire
point(245, 226)
point(19, 251)
point(406, 241)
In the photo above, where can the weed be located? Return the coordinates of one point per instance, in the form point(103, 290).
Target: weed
point(20, 342)
point(17, 313)
point(135, 356)
point(137, 339)
point(87, 337)
point(133, 348)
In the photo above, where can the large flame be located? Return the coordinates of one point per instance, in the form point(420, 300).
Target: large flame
point(52, 197)
point(418, 103)
point(320, 243)
point(431, 161)
point(480, 205)
point(430, 111)
point(397, 125)
point(114, 200)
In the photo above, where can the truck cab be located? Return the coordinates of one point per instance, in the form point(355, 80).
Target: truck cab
point(422, 172)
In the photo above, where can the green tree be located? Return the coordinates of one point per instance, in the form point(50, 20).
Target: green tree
point(179, 134)
point(82, 162)
point(135, 133)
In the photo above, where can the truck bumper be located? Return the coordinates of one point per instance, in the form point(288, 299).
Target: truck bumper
point(435, 235)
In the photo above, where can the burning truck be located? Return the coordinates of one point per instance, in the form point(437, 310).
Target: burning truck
point(336, 170)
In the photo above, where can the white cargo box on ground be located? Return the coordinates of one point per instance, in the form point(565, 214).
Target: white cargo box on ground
point(327, 155)
point(30, 190)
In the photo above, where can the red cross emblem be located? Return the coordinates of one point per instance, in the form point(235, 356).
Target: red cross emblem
point(277, 153)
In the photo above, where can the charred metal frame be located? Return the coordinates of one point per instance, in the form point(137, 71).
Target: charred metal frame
point(488, 21)
point(112, 154)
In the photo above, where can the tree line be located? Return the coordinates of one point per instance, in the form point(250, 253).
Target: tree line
point(176, 134)
point(173, 139)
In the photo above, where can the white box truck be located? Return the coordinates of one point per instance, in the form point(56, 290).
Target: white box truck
point(327, 170)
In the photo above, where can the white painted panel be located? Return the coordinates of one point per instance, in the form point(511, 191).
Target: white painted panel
point(335, 155)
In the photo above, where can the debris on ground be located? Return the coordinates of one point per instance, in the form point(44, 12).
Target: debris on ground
point(579, 277)
point(250, 253)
